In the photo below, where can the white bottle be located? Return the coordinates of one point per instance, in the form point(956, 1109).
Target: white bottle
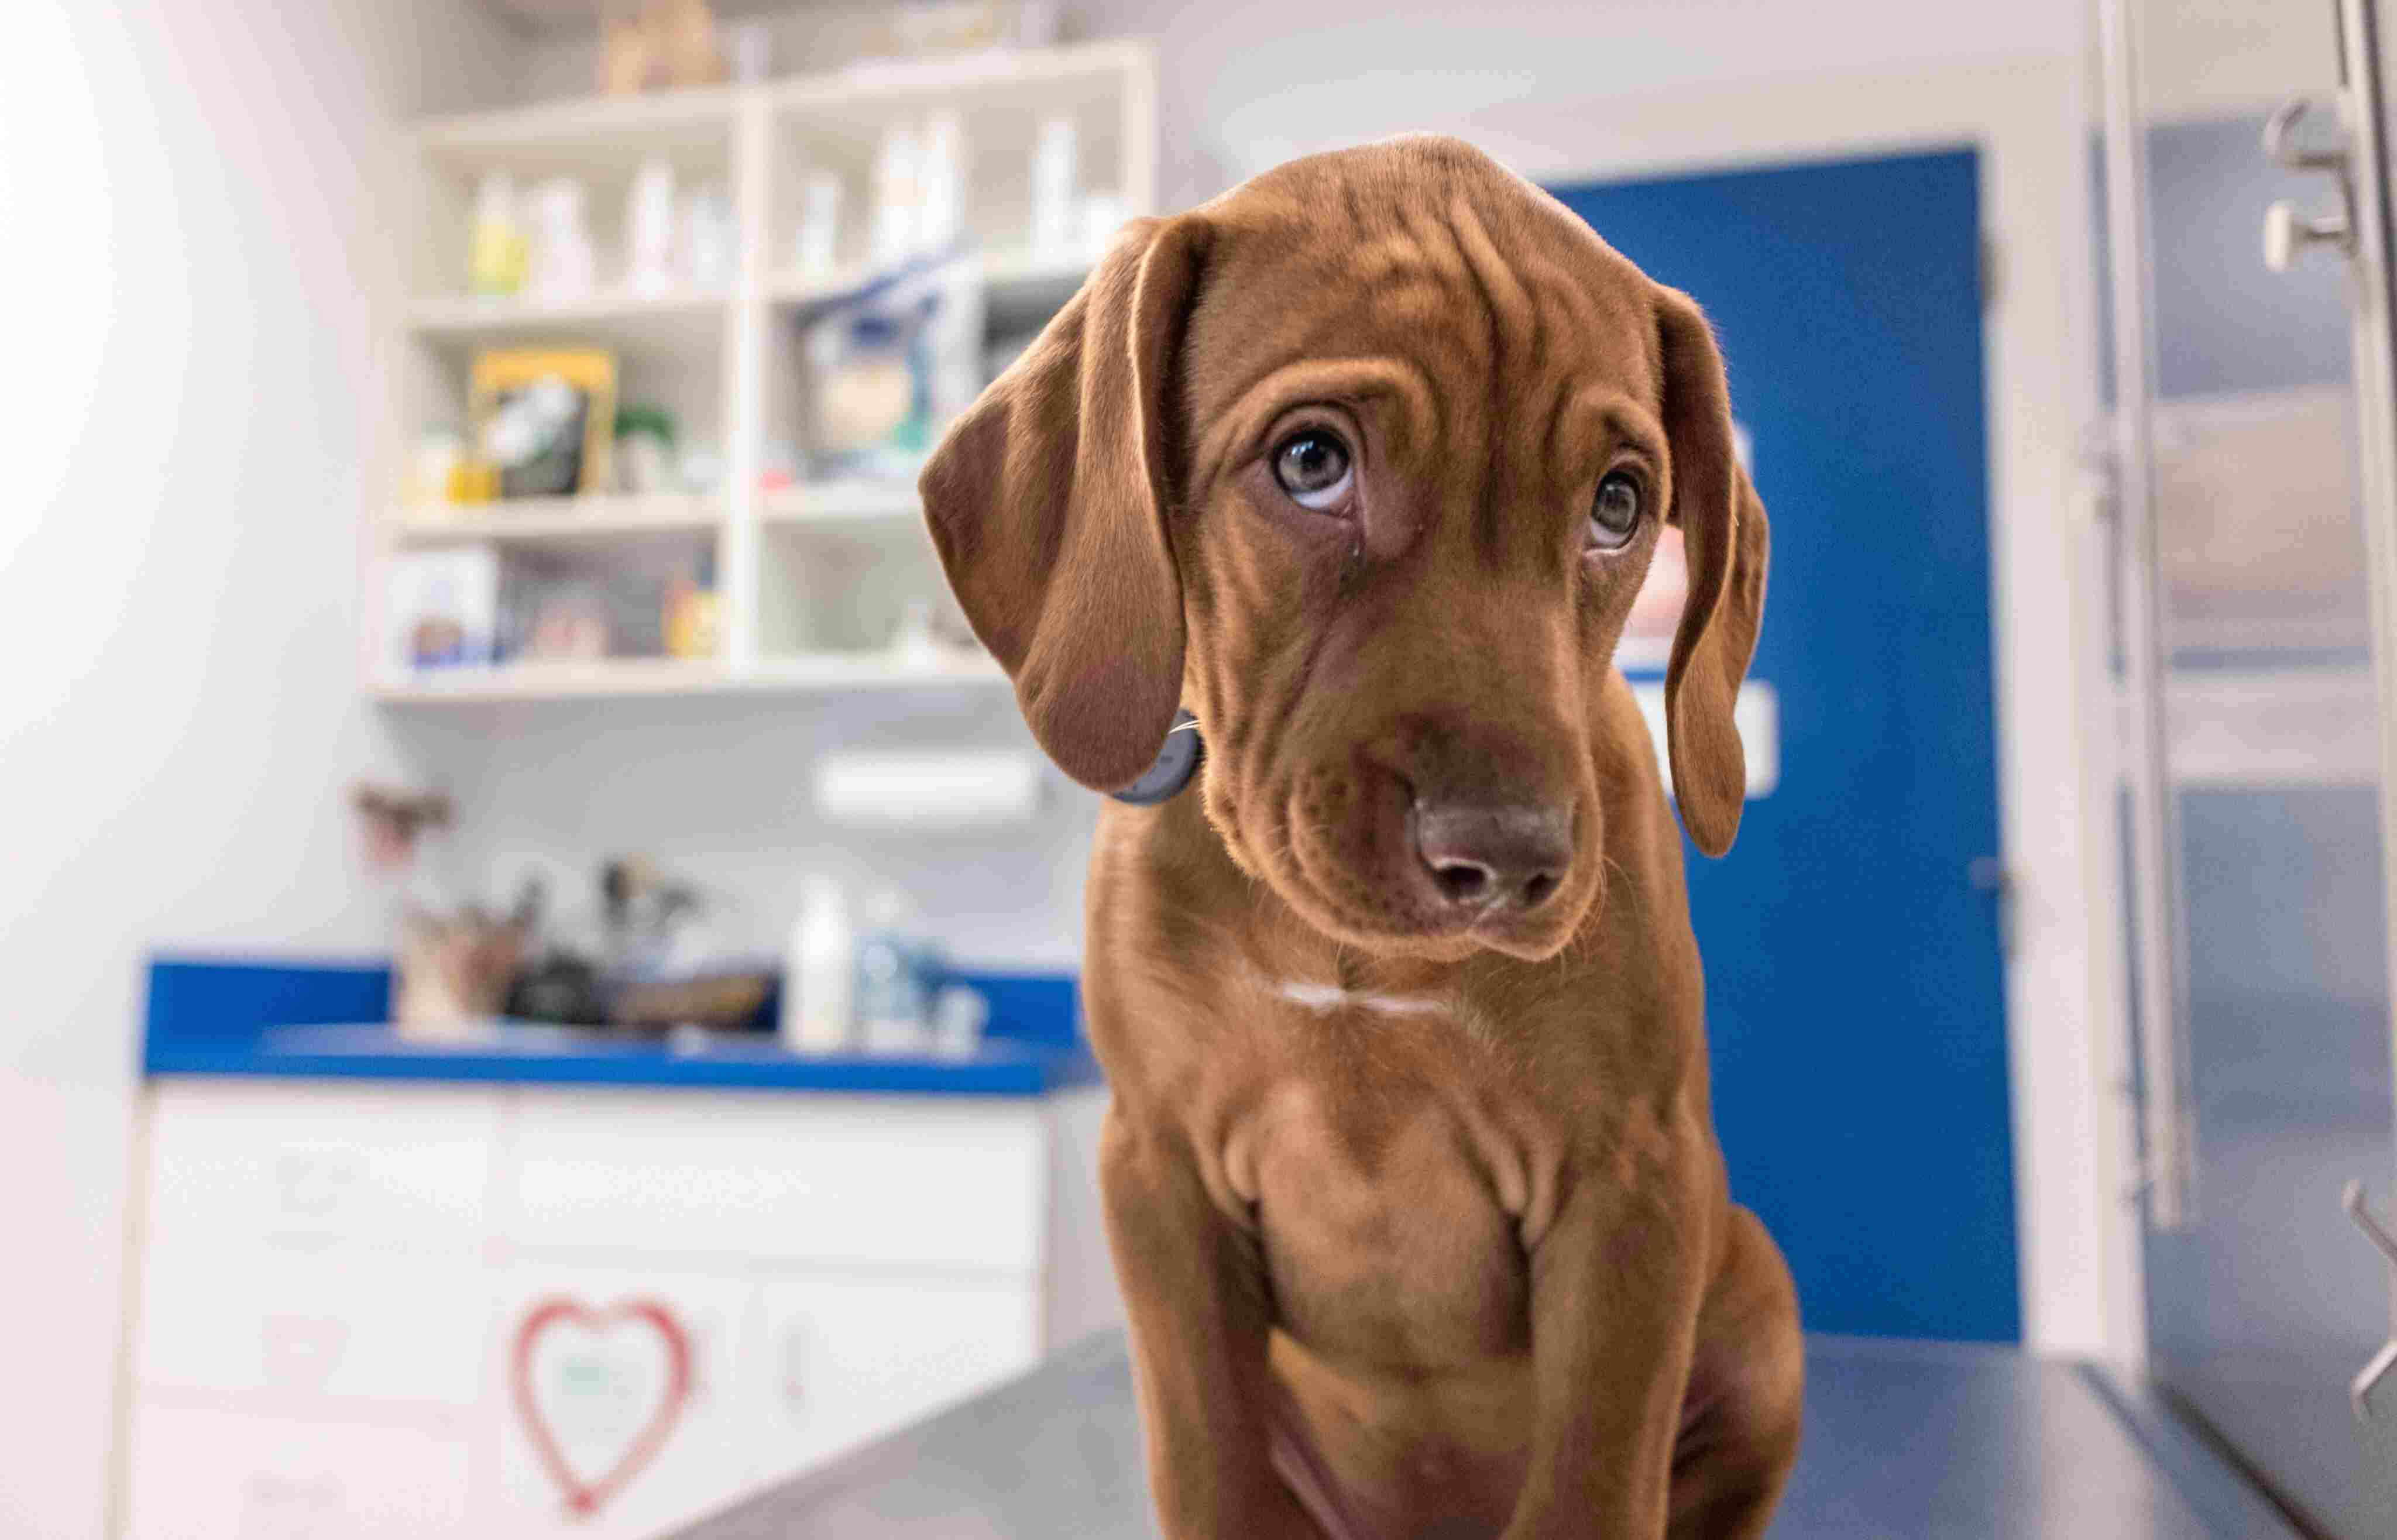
point(564, 266)
point(710, 241)
point(940, 184)
point(817, 974)
point(1054, 178)
point(893, 1010)
point(650, 228)
point(819, 241)
point(898, 165)
point(496, 246)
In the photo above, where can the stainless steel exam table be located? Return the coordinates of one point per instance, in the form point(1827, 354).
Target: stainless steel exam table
point(1903, 1440)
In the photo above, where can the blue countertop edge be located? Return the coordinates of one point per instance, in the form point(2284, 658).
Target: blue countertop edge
point(277, 1019)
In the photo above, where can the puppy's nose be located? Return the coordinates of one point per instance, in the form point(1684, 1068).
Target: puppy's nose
point(1494, 856)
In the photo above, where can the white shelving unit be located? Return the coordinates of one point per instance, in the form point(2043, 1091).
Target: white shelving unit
point(812, 577)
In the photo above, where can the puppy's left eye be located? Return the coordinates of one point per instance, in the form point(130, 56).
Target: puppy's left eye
point(1614, 515)
point(1315, 468)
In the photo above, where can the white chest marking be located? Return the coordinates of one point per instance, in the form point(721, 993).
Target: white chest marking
point(1327, 997)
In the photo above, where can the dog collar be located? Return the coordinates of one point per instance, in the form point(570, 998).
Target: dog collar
point(1177, 763)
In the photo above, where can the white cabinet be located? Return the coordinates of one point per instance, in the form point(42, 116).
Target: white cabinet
point(845, 1358)
point(618, 1399)
point(207, 1473)
point(360, 1334)
point(819, 1178)
point(386, 1167)
point(599, 1313)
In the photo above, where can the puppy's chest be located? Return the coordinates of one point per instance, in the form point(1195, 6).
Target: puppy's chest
point(1388, 1218)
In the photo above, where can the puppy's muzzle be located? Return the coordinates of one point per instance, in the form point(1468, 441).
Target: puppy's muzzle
point(1489, 858)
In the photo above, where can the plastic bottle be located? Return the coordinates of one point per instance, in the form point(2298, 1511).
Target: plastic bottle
point(650, 228)
point(1053, 175)
point(496, 243)
point(819, 241)
point(710, 239)
point(941, 183)
point(817, 1014)
point(563, 265)
point(897, 196)
point(894, 1000)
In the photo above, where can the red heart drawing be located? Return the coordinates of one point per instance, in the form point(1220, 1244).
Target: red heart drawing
point(584, 1498)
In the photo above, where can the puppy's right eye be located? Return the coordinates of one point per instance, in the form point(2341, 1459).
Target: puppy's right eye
point(1315, 468)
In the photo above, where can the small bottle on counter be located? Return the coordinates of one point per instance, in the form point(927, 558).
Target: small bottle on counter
point(959, 1014)
point(895, 970)
point(818, 1014)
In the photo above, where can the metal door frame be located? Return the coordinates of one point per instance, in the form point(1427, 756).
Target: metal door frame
point(2363, 109)
point(2362, 232)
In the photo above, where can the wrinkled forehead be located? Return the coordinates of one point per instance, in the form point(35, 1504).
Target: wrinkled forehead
point(1423, 253)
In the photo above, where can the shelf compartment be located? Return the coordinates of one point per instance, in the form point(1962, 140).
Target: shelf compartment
point(662, 360)
point(847, 585)
point(560, 519)
point(835, 124)
point(601, 144)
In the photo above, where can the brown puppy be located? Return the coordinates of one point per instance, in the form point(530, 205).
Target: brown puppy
point(1410, 1175)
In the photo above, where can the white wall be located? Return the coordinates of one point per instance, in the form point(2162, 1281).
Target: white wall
point(1250, 83)
point(718, 790)
point(191, 254)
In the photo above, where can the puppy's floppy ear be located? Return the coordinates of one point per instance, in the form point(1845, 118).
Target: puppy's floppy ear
point(1725, 534)
point(1049, 503)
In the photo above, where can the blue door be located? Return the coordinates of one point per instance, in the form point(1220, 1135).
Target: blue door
point(1855, 986)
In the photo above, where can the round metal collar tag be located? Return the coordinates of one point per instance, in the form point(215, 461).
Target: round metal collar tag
point(1177, 765)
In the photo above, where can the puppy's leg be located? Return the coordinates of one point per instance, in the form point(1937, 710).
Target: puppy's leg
point(1195, 1298)
point(1739, 1433)
point(1616, 1286)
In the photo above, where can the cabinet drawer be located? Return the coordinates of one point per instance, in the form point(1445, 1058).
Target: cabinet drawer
point(403, 1168)
point(294, 1331)
point(854, 1180)
point(199, 1474)
point(843, 1360)
point(611, 1421)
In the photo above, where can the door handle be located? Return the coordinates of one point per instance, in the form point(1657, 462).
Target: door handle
point(2280, 143)
point(2287, 234)
point(2359, 1393)
point(1990, 874)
